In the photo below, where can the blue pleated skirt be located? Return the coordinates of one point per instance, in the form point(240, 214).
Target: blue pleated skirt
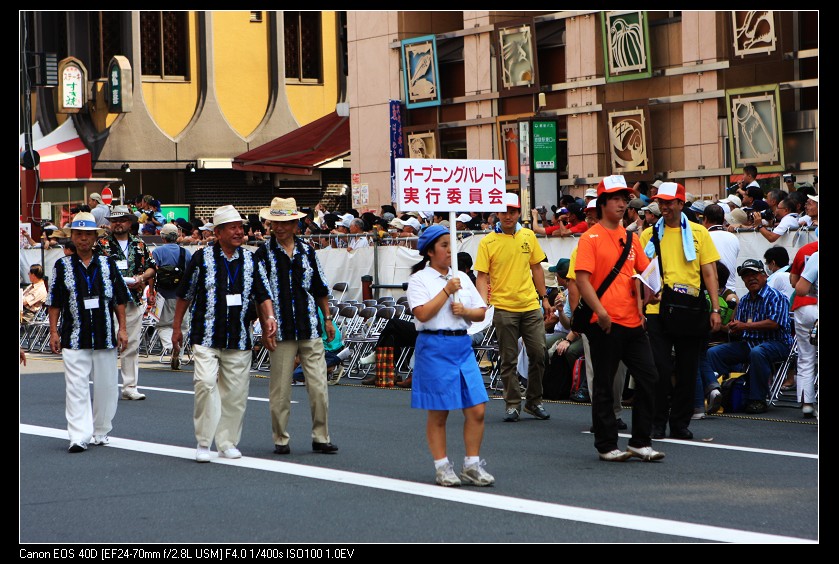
point(446, 375)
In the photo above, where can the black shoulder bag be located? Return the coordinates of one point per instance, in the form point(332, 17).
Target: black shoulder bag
point(681, 314)
point(581, 316)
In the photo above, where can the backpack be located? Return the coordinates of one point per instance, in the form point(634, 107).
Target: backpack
point(168, 277)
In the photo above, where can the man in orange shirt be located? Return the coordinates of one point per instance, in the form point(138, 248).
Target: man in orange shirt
point(618, 330)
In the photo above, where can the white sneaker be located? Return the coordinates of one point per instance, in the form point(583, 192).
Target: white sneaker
point(345, 353)
point(132, 394)
point(446, 476)
point(100, 440)
point(714, 400)
point(369, 359)
point(647, 454)
point(232, 452)
point(615, 455)
point(202, 454)
point(475, 474)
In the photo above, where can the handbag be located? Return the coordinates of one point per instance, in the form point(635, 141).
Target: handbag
point(581, 316)
point(682, 314)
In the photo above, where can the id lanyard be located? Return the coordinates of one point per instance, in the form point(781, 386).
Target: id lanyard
point(91, 302)
point(232, 299)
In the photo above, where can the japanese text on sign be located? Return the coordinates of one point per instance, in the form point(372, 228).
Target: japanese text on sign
point(450, 185)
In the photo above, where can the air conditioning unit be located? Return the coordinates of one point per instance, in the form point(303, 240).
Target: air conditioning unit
point(46, 210)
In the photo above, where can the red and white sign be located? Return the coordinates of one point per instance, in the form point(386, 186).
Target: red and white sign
point(107, 196)
point(450, 185)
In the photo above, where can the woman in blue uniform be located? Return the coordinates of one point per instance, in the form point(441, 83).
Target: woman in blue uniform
point(446, 375)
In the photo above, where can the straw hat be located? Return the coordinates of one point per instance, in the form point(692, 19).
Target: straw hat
point(281, 209)
point(226, 214)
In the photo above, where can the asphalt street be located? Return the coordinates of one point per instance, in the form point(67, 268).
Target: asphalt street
point(743, 479)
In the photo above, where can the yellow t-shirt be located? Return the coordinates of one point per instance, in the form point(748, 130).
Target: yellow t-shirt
point(677, 270)
point(507, 260)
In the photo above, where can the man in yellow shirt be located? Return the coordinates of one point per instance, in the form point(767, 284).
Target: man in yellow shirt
point(508, 267)
point(688, 258)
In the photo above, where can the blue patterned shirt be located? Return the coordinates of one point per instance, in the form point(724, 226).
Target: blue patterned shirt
point(71, 284)
point(295, 283)
point(768, 303)
point(209, 278)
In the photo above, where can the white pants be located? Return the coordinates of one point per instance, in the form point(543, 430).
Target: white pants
point(167, 317)
point(805, 317)
point(129, 359)
point(221, 381)
point(79, 367)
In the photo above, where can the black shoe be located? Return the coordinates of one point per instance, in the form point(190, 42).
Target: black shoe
point(77, 447)
point(325, 448)
point(282, 449)
point(683, 434)
point(511, 415)
point(621, 425)
point(756, 406)
point(580, 396)
point(537, 411)
point(657, 432)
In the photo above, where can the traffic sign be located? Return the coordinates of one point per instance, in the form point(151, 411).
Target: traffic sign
point(107, 196)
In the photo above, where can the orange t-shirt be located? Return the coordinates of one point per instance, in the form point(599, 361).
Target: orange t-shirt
point(597, 253)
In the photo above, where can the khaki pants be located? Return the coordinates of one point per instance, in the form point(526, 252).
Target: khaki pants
point(221, 380)
point(279, 389)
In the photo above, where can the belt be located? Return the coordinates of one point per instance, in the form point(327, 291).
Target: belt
point(446, 332)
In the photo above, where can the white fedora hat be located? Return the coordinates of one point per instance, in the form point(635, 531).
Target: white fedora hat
point(226, 214)
point(84, 221)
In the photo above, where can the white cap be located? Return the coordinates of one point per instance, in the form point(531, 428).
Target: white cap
point(511, 200)
point(732, 199)
point(464, 217)
point(413, 222)
point(591, 205)
point(591, 193)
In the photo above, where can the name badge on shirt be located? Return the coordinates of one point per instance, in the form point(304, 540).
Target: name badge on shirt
point(91, 303)
point(234, 300)
point(122, 264)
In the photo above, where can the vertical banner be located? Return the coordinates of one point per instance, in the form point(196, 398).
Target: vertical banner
point(397, 149)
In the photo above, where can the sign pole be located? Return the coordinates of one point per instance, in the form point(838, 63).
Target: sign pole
point(453, 247)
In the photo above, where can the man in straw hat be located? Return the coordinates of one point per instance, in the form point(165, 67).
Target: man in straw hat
point(86, 291)
point(299, 287)
point(137, 268)
point(222, 286)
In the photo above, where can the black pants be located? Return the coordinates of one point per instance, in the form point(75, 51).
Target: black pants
point(677, 381)
point(632, 346)
point(398, 333)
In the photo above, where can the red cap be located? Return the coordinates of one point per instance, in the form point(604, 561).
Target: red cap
point(670, 191)
point(614, 183)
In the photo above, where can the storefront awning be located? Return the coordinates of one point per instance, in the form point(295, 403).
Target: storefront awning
point(302, 150)
point(63, 154)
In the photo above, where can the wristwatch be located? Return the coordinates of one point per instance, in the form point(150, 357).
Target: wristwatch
point(715, 311)
point(328, 317)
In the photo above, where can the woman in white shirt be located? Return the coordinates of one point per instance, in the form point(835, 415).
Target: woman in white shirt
point(446, 375)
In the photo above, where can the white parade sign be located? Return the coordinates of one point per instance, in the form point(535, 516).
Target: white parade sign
point(450, 185)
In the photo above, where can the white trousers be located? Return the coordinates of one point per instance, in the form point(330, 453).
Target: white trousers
point(79, 367)
point(805, 317)
point(130, 357)
point(221, 380)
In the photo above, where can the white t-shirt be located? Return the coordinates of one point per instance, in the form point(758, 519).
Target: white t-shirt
point(426, 284)
point(811, 273)
point(789, 221)
point(357, 243)
point(780, 281)
point(728, 246)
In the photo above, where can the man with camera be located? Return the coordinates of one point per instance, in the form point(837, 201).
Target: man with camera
point(786, 217)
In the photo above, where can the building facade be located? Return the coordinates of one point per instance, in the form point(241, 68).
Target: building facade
point(687, 96)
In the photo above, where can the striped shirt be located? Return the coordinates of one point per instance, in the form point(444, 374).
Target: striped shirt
point(137, 258)
point(209, 278)
point(71, 284)
point(768, 303)
point(295, 283)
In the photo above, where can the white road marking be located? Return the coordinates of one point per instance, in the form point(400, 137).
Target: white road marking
point(699, 443)
point(462, 495)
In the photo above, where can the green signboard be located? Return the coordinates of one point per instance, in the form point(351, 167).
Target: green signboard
point(544, 145)
point(173, 211)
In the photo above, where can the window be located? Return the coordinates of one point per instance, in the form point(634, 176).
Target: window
point(302, 46)
point(105, 41)
point(163, 37)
